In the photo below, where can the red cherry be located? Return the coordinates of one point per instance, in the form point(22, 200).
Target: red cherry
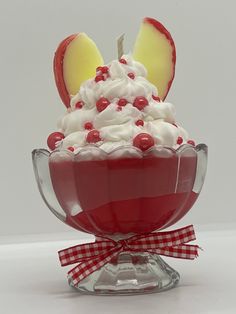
point(191, 142)
point(104, 69)
point(123, 61)
point(122, 102)
point(139, 123)
point(98, 69)
point(88, 126)
point(179, 140)
point(93, 136)
point(54, 138)
point(71, 148)
point(143, 141)
point(140, 102)
point(79, 104)
point(157, 98)
point(102, 103)
point(131, 75)
point(99, 78)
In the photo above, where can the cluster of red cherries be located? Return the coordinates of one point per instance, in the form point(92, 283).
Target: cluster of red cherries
point(142, 141)
point(102, 72)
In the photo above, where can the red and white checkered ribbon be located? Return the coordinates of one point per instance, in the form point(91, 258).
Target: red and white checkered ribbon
point(92, 256)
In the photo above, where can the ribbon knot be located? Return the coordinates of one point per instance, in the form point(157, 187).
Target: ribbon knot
point(124, 244)
point(92, 256)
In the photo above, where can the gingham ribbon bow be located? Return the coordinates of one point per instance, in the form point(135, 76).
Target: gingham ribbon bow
point(92, 256)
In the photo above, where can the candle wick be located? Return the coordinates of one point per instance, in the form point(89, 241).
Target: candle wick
point(120, 48)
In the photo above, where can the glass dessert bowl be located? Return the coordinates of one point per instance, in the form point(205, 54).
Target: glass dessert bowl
point(118, 195)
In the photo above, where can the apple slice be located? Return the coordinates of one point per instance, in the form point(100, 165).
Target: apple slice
point(155, 49)
point(75, 61)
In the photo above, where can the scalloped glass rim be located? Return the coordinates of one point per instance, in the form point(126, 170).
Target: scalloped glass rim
point(179, 150)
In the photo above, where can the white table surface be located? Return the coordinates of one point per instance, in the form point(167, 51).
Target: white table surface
point(31, 281)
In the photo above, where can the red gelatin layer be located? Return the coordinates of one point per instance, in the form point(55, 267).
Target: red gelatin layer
point(127, 195)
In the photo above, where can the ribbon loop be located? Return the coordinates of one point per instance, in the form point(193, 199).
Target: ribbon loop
point(81, 252)
point(93, 256)
point(164, 238)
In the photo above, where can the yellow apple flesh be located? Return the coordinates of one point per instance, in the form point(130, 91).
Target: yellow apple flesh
point(75, 61)
point(155, 49)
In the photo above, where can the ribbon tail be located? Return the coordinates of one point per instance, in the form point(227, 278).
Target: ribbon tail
point(86, 268)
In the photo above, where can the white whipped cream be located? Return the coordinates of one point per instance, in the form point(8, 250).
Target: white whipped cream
point(116, 127)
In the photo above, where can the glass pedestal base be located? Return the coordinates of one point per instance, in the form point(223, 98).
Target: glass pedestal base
point(130, 273)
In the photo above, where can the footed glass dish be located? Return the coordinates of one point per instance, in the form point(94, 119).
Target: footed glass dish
point(118, 196)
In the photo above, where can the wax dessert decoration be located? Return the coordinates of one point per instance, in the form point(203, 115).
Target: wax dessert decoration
point(75, 61)
point(155, 49)
point(122, 100)
point(121, 107)
point(120, 166)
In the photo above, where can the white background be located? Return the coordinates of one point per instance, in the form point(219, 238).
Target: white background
point(203, 92)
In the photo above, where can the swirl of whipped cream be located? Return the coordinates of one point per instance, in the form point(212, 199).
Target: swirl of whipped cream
point(117, 125)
